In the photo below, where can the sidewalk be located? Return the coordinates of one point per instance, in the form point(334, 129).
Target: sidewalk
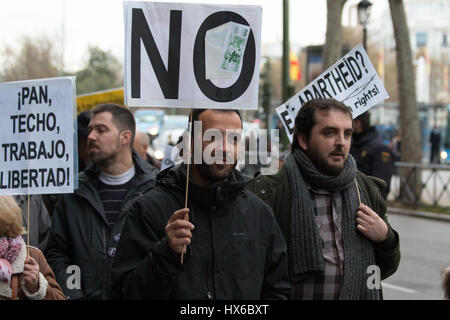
point(420, 214)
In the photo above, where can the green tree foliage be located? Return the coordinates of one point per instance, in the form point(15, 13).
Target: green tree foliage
point(102, 71)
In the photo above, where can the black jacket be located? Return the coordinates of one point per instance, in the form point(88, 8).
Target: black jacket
point(373, 157)
point(237, 249)
point(80, 235)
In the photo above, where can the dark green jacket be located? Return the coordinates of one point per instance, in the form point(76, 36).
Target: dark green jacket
point(276, 192)
point(80, 235)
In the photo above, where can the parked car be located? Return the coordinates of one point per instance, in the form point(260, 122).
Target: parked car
point(149, 121)
point(172, 128)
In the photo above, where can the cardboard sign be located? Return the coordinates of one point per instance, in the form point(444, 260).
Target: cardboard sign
point(352, 80)
point(37, 136)
point(90, 100)
point(180, 55)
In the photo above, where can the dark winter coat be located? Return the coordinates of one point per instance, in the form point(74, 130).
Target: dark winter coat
point(80, 235)
point(276, 192)
point(237, 249)
point(373, 157)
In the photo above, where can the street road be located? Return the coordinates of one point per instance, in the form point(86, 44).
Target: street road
point(425, 250)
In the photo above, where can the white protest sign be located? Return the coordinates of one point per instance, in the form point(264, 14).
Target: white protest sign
point(173, 60)
point(352, 80)
point(37, 136)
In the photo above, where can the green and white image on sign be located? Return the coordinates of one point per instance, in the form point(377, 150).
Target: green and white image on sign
point(234, 47)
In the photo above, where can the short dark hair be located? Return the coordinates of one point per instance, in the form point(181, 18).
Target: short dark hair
point(123, 119)
point(195, 114)
point(83, 119)
point(364, 119)
point(306, 117)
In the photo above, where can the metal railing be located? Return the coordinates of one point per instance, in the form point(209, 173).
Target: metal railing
point(431, 189)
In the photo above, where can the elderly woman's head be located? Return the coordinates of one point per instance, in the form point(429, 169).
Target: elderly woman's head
point(10, 218)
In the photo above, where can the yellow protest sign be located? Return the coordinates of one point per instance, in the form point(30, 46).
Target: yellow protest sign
point(90, 100)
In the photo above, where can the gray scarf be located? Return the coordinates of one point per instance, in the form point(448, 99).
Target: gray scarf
point(306, 252)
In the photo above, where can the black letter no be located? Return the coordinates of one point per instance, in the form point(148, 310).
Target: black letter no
point(248, 66)
point(168, 79)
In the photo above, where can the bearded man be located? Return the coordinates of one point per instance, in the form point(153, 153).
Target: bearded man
point(230, 247)
point(87, 225)
point(333, 217)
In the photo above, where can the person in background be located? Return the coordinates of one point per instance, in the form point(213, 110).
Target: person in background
point(372, 156)
point(83, 151)
point(22, 277)
point(396, 145)
point(87, 224)
point(141, 144)
point(435, 142)
point(446, 283)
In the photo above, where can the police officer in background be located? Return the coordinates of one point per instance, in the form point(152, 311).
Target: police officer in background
point(372, 156)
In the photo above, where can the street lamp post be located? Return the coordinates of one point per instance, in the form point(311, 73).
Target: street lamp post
point(285, 65)
point(285, 60)
point(363, 17)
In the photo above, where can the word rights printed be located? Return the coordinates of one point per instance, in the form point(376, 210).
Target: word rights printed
point(352, 80)
point(37, 136)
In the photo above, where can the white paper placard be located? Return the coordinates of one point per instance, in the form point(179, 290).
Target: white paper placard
point(37, 136)
point(352, 80)
point(166, 52)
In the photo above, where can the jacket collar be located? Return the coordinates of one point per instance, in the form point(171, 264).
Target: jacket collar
point(88, 182)
point(362, 138)
point(221, 194)
point(141, 167)
point(89, 176)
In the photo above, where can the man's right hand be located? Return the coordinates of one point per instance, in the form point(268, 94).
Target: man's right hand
point(178, 231)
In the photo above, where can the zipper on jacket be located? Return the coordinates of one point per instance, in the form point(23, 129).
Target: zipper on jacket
point(210, 265)
point(207, 262)
point(127, 204)
point(191, 212)
point(105, 250)
point(208, 289)
point(105, 259)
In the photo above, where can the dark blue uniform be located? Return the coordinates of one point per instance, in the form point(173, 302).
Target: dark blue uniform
point(372, 156)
